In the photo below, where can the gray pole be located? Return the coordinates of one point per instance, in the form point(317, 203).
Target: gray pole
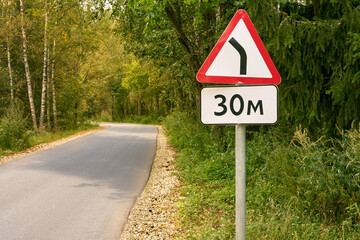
point(240, 197)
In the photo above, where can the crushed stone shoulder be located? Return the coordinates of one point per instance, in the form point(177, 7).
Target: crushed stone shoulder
point(154, 215)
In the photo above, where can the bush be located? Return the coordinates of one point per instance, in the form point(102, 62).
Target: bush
point(149, 119)
point(105, 116)
point(297, 188)
point(13, 131)
point(304, 189)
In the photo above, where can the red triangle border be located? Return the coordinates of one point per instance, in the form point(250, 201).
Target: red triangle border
point(240, 14)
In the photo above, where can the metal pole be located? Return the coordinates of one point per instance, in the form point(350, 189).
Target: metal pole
point(240, 197)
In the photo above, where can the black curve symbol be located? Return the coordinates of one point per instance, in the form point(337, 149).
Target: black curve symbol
point(243, 56)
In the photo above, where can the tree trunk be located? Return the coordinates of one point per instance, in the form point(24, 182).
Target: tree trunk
point(157, 101)
point(44, 80)
point(48, 94)
point(112, 107)
point(10, 70)
point(218, 18)
point(56, 128)
point(27, 69)
point(139, 106)
point(8, 51)
point(175, 18)
point(174, 15)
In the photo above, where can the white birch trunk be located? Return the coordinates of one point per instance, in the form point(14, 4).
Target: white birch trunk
point(48, 93)
point(44, 80)
point(10, 70)
point(8, 50)
point(27, 69)
point(56, 128)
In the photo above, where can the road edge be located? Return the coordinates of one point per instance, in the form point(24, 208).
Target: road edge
point(46, 146)
point(154, 214)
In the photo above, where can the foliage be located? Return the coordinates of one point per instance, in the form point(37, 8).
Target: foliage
point(136, 61)
point(314, 44)
point(152, 119)
point(77, 35)
point(207, 173)
point(40, 137)
point(13, 129)
point(140, 57)
point(296, 187)
point(312, 185)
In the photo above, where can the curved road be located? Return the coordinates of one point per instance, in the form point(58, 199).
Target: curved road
point(83, 189)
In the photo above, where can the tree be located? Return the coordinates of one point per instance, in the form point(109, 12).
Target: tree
point(56, 127)
point(314, 44)
point(184, 37)
point(45, 67)
point(8, 23)
point(27, 68)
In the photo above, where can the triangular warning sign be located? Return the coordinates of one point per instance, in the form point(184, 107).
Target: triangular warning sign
point(239, 57)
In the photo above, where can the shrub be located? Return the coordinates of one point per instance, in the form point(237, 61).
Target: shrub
point(13, 131)
point(105, 116)
point(304, 188)
point(297, 188)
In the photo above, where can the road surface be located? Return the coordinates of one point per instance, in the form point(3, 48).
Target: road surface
point(83, 189)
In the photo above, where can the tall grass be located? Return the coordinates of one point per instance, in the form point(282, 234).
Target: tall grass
point(16, 136)
point(297, 188)
point(13, 129)
point(39, 137)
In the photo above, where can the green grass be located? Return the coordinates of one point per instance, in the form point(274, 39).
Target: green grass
point(297, 188)
point(44, 137)
point(149, 120)
point(39, 137)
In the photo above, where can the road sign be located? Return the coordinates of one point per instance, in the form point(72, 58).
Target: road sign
point(247, 104)
point(239, 57)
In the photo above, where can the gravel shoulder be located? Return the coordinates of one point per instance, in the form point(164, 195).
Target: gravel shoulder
point(155, 215)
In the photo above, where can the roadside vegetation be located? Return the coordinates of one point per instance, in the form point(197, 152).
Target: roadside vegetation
point(297, 188)
point(65, 63)
point(15, 135)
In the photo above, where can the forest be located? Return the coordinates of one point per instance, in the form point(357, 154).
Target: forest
point(65, 64)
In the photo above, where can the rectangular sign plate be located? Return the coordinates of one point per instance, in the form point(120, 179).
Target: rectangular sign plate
point(245, 104)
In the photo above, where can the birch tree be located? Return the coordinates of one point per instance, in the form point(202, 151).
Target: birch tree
point(8, 22)
point(44, 80)
point(56, 128)
point(48, 92)
point(27, 68)
point(52, 79)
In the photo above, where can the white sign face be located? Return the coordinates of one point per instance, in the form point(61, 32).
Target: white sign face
point(227, 61)
point(247, 104)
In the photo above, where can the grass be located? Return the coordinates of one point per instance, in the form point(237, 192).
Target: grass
point(297, 188)
point(39, 137)
point(149, 120)
point(44, 137)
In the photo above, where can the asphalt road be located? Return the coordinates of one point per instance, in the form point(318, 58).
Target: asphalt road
point(83, 189)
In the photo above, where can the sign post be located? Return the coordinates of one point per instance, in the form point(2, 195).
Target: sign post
point(240, 105)
point(239, 58)
point(240, 195)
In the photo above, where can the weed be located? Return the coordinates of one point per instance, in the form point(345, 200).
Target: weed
point(297, 188)
point(13, 131)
